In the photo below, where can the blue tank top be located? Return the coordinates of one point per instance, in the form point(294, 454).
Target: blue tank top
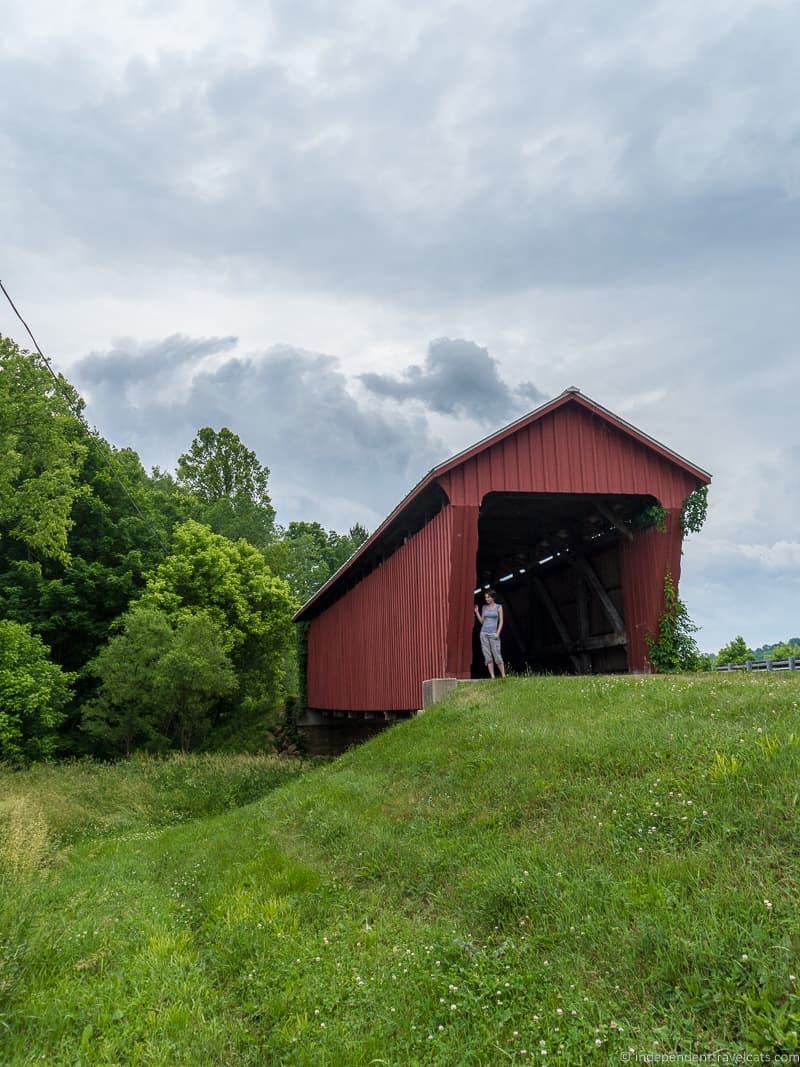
point(490, 618)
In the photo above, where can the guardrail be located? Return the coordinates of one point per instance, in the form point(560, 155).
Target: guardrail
point(791, 664)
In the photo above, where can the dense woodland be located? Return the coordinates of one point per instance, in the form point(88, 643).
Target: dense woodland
point(138, 610)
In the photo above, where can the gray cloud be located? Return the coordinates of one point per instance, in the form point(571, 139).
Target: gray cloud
point(129, 363)
point(457, 378)
point(420, 153)
point(331, 457)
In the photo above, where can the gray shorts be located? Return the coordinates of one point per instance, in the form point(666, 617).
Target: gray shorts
point(490, 646)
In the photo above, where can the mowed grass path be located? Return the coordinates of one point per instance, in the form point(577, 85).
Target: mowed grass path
point(539, 870)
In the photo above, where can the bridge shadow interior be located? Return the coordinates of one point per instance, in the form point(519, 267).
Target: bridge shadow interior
point(554, 560)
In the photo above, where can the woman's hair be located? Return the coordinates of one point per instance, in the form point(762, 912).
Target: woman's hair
point(491, 592)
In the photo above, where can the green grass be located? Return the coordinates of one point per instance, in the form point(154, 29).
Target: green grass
point(54, 805)
point(580, 866)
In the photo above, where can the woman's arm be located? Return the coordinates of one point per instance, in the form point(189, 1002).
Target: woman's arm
point(478, 615)
point(499, 619)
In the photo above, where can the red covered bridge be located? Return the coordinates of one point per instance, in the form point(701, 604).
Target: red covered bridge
point(552, 510)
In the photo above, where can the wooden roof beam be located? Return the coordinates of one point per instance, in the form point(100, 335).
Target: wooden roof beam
point(615, 520)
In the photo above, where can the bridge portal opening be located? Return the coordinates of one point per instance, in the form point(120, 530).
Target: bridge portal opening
point(554, 560)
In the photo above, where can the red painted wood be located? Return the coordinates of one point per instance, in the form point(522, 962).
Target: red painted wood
point(373, 648)
point(644, 563)
point(572, 451)
point(461, 591)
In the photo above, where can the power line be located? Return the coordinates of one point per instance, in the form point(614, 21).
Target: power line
point(108, 455)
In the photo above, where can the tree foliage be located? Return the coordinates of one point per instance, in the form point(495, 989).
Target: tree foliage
point(736, 651)
point(231, 583)
point(159, 597)
point(159, 680)
point(674, 649)
point(230, 484)
point(785, 650)
point(193, 674)
point(121, 523)
point(781, 650)
point(41, 453)
point(694, 510)
point(33, 694)
point(307, 555)
point(128, 712)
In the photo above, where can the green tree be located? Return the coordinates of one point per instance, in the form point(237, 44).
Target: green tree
point(301, 558)
point(231, 583)
point(342, 546)
point(193, 674)
point(736, 651)
point(230, 484)
point(128, 711)
point(307, 555)
point(121, 525)
point(780, 650)
point(41, 453)
point(159, 680)
point(785, 650)
point(33, 694)
point(674, 649)
point(119, 533)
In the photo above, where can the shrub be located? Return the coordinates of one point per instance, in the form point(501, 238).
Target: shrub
point(159, 680)
point(33, 694)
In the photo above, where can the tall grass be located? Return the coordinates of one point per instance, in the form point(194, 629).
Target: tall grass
point(549, 870)
point(53, 805)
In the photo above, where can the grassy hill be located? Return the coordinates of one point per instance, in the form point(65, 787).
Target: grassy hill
point(538, 870)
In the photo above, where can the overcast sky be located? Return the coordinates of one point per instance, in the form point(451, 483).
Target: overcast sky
point(364, 234)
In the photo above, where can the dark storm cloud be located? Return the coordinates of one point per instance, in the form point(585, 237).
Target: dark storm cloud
point(298, 411)
point(457, 378)
point(136, 392)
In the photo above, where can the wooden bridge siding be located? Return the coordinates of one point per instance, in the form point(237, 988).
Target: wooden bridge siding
point(644, 562)
point(571, 451)
point(462, 586)
point(372, 649)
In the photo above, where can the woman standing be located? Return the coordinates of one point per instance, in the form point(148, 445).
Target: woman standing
point(491, 620)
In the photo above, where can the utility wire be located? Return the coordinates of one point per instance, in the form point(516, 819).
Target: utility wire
point(107, 454)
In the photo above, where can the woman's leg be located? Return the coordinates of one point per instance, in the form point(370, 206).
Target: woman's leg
point(498, 657)
point(486, 649)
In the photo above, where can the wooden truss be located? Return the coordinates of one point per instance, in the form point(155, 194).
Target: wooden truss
point(580, 646)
